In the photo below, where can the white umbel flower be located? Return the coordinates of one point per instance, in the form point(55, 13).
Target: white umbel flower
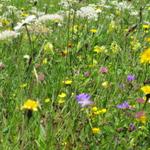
point(88, 12)
point(8, 34)
point(50, 17)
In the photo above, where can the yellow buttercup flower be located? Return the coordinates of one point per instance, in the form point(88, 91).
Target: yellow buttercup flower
point(146, 89)
point(95, 130)
point(101, 111)
point(93, 30)
point(145, 56)
point(105, 84)
point(146, 26)
point(62, 95)
point(147, 39)
point(67, 82)
point(24, 14)
point(30, 105)
point(94, 109)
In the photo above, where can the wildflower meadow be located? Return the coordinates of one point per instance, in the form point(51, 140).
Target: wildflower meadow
point(75, 74)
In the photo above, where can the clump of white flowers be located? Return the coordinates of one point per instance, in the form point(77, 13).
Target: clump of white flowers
point(11, 10)
point(122, 5)
point(90, 12)
point(7, 34)
point(50, 17)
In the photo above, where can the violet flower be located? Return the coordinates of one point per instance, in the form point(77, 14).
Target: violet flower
point(130, 78)
point(84, 99)
point(123, 105)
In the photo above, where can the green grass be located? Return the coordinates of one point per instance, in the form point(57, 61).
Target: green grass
point(66, 125)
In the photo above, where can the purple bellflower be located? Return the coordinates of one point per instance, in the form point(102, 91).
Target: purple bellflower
point(84, 99)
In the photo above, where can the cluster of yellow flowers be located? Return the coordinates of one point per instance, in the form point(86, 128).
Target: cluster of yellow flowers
point(97, 111)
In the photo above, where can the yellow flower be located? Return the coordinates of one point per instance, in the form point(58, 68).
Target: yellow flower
point(145, 56)
point(30, 105)
point(142, 119)
point(67, 82)
point(146, 26)
point(24, 14)
point(65, 52)
point(47, 100)
point(62, 95)
point(147, 39)
point(101, 111)
point(95, 130)
point(61, 101)
point(100, 49)
point(146, 89)
point(48, 47)
point(4, 22)
point(105, 84)
point(94, 109)
point(93, 30)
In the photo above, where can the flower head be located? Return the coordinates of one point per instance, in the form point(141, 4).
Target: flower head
point(123, 105)
point(141, 116)
point(8, 34)
point(103, 70)
point(67, 82)
point(140, 100)
point(95, 130)
point(146, 89)
point(105, 84)
point(130, 78)
point(62, 95)
point(145, 56)
point(84, 99)
point(30, 105)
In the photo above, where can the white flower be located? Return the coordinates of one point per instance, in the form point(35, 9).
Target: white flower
point(8, 34)
point(52, 17)
point(122, 5)
point(88, 12)
point(27, 20)
point(26, 57)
